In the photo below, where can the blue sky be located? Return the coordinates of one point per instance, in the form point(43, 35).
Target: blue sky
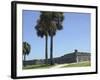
point(75, 34)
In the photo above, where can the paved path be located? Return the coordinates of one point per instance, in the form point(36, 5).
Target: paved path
point(58, 66)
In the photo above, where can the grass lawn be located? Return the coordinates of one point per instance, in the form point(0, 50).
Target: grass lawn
point(80, 64)
point(46, 66)
point(38, 66)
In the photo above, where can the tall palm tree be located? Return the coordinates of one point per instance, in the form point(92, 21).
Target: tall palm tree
point(42, 30)
point(48, 24)
point(55, 24)
point(26, 49)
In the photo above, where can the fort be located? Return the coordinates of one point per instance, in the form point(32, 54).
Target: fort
point(67, 58)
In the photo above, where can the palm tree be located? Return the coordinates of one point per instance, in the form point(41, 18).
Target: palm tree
point(42, 30)
point(26, 49)
point(48, 24)
point(56, 24)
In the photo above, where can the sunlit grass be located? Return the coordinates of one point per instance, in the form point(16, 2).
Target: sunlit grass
point(47, 66)
point(80, 64)
point(37, 66)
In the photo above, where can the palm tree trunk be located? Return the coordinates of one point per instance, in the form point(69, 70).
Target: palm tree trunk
point(24, 59)
point(46, 49)
point(51, 51)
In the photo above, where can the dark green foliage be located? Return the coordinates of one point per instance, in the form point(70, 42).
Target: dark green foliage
point(26, 49)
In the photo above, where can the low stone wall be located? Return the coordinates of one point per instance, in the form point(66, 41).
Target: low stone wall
point(67, 58)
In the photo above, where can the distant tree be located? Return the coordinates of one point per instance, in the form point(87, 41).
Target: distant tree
point(26, 49)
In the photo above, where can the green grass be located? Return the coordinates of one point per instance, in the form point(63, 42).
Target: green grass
point(38, 66)
point(80, 64)
point(46, 66)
